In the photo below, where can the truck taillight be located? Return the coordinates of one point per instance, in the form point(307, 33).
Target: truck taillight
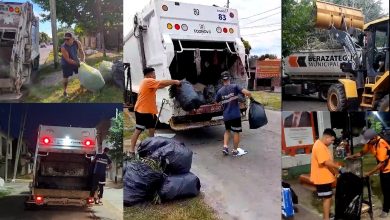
point(46, 141)
point(88, 143)
point(177, 26)
point(184, 27)
point(11, 9)
point(90, 200)
point(219, 30)
point(231, 15)
point(164, 8)
point(225, 30)
point(38, 199)
point(169, 26)
point(231, 30)
point(17, 10)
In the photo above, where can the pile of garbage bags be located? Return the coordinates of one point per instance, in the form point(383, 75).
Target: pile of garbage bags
point(113, 71)
point(90, 77)
point(171, 180)
point(186, 96)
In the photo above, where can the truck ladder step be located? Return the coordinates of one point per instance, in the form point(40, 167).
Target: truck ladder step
point(368, 95)
point(365, 105)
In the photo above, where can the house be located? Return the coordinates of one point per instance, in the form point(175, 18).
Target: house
point(268, 74)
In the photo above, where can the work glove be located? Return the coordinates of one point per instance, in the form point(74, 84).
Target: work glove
point(342, 170)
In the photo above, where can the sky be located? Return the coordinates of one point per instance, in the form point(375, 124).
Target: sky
point(75, 115)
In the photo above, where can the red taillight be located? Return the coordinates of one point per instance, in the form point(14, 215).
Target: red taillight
point(177, 26)
point(38, 199)
point(231, 15)
point(88, 143)
point(11, 9)
point(225, 30)
point(46, 141)
point(90, 200)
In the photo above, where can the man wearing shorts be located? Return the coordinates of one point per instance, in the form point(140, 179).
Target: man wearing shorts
point(323, 170)
point(228, 97)
point(146, 108)
point(71, 50)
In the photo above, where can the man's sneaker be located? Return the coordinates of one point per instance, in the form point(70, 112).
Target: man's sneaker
point(235, 153)
point(225, 150)
point(384, 214)
point(331, 216)
point(96, 201)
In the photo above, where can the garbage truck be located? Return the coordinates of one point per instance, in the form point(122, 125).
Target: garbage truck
point(186, 41)
point(62, 167)
point(307, 72)
point(19, 47)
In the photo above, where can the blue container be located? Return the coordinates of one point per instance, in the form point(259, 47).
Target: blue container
point(287, 203)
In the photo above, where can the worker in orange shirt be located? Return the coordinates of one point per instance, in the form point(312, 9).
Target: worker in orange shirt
point(324, 169)
point(376, 145)
point(146, 108)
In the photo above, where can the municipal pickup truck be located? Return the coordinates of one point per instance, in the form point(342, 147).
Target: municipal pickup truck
point(62, 165)
point(19, 47)
point(309, 71)
point(186, 41)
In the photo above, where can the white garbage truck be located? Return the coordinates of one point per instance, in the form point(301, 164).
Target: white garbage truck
point(186, 41)
point(62, 166)
point(19, 47)
point(313, 71)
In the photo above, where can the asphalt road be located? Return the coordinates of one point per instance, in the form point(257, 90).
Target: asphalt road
point(303, 103)
point(246, 187)
point(12, 208)
point(44, 54)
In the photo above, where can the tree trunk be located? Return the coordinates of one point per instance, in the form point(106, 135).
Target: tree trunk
point(100, 25)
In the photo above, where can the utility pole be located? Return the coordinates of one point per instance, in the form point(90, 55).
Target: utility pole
point(53, 18)
point(228, 3)
point(7, 144)
point(19, 146)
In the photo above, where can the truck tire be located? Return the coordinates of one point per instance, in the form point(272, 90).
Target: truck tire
point(384, 104)
point(337, 100)
point(323, 93)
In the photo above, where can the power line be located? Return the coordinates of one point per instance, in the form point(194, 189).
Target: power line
point(264, 25)
point(260, 33)
point(262, 18)
point(260, 13)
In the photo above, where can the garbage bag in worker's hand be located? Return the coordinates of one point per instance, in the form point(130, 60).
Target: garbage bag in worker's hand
point(148, 146)
point(180, 186)
point(105, 69)
point(257, 116)
point(174, 158)
point(140, 182)
point(90, 77)
point(349, 196)
point(186, 95)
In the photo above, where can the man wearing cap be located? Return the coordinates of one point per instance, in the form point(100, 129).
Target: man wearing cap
point(146, 108)
point(228, 97)
point(376, 145)
point(323, 170)
point(71, 50)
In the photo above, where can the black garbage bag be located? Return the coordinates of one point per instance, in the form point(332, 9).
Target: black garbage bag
point(118, 74)
point(257, 116)
point(140, 182)
point(349, 196)
point(187, 97)
point(209, 93)
point(180, 186)
point(201, 98)
point(149, 145)
point(174, 158)
point(294, 195)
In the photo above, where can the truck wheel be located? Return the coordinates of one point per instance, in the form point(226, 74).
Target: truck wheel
point(384, 104)
point(323, 93)
point(337, 100)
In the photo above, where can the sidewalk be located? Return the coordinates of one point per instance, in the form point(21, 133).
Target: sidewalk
point(112, 207)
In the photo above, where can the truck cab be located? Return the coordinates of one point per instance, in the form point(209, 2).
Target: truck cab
point(62, 166)
point(186, 41)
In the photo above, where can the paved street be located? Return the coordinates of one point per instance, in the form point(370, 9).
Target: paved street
point(303, 103)
point(12, 206)
point(44, 54)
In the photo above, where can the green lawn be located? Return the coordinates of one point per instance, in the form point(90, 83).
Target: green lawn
point(188, 209)
point(270, 100)
point(54, 94)
point(5, 192)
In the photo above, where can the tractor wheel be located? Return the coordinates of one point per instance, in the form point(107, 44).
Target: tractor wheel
point(384, 104)
point(337, 100)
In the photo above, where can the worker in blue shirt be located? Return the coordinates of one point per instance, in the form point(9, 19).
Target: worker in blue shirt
point(101, 163)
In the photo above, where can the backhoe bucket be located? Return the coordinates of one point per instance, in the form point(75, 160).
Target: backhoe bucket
point(328, 13)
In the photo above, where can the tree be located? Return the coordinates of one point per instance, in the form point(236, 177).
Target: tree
point(115, 137)
point(247, 46)
point(43, 37)
point(297, 24)
point(268, 56)
point(88, 15)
